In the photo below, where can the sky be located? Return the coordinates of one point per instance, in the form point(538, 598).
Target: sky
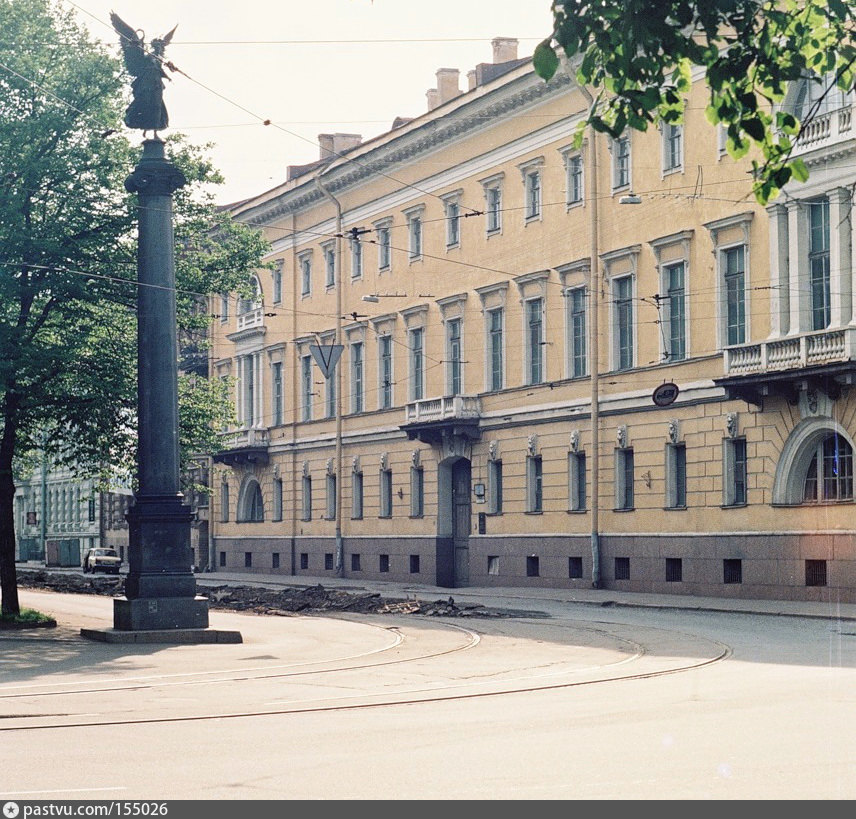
point(307, 66)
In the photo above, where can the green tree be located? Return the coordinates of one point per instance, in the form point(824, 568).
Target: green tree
point(68, 258)
point(638, 56)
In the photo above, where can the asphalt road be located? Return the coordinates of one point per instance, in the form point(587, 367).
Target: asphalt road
point(583, 702)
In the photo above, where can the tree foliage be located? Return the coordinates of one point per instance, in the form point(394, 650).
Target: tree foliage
point(639, 55)
point(68, 257)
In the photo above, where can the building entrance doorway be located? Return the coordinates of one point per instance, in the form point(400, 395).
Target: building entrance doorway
point(461, 520)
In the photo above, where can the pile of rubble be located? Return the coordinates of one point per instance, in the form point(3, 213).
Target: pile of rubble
point(282, 602)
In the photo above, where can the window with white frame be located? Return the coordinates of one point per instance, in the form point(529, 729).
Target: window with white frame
point(624, 478)
point(734, 470)
point(675, 311)
point(414, 234)
point(416, 337)
point(357, 380)
point(453, 222)
point(534, 484)
point(331, 496)
point(385, 371)
point(417, 492)
point(305, 264)
point(829, 476)
point(673, 147)
point(577, 481)
point(620, 162)
point(247, 386)
point(495, 345)
point(733, 262)
point(534, 341)
point(622, 315)
point(276, 275)
point(576, 302)
point(493, 204)
point(494, 486)
point(532, 191)
point(329, 254)
point(574, 191)
point(276, 393)
point(818, 262)
point(386, 493)
point(453, 360)
point(384, 257)
point(306, 390)
point(676, 476)
point(224, 307)
point(356, 258)
point(357, 495)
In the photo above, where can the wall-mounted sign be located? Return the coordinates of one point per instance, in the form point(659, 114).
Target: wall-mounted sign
point(665, 394)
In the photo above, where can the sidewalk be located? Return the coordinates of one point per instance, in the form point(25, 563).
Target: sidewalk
point(538, 598)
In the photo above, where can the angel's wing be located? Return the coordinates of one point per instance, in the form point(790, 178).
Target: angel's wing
point(132, 44)
point(168, 37)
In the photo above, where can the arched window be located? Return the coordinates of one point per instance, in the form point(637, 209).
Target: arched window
point(253, 302)
point(817, 96)
point(830, 472)
point(251, 506)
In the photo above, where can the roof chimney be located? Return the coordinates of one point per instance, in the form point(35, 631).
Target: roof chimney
point(447, 84)
point(335, 144)
point(433, 97)
point(504, 49)
point(472, 79)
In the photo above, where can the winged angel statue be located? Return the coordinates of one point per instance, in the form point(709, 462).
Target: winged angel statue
point(147, 110)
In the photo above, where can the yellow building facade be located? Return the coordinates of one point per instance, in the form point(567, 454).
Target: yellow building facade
point(557, 366)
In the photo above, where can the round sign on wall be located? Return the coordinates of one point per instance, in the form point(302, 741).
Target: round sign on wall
point(665, 394)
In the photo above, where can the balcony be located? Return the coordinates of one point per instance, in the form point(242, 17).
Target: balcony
point(824, 359)
point(244, 446)
point(250, 319)
point(825, 130)
point(432, 420)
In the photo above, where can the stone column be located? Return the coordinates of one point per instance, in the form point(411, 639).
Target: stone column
point(160, 589)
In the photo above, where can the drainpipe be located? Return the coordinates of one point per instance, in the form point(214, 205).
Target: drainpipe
point(594, 344)
point(295, 371)
point(337, 271)
point(43, 516)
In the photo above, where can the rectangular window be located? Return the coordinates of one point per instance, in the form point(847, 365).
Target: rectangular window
point(674, 276)
point(622, 568)
point(414, 236)
point(493, 197)
point(277, 285)
point(676, 476)
point(383, 250)
point(534, 484)
point(533, 568)
point(248, 560)
point(622, 296)
point(734, 274)
point(534, 341)
point(328, 561)
point(674, 570)
point(734, 472)
point(453, 224)
point(673, 143)
point(305, 275)
point(306, 387)
point(276, 396)
point(224, 307)
point(577, 481)
point(386, 493)
point(574, 183)
point(307, 497)
point(494, 487)
point(453, 344)
point(356, 259)
point(331, 497)
point(224, 502)
point(417, 492)
point(274, 560)
point(624, 479)
point(815, 572)
point(533, 195)
point(493, 564)
point(357, 495)
point(414, 564)
point(575, 568)
point(277, 498)
point(385, 371)
point(577, 331)
point(304, 560)
point(495, 350)
point(357, 389)
point(330, 396)
point(330, 265)
point(90, 510)
point(732, 570)
point(417, 365)
point(383, 563)
point(222, 558)
point(355, 563)
point(818, 259)
point(621, 163)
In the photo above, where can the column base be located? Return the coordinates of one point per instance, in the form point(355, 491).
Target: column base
point(160, 613)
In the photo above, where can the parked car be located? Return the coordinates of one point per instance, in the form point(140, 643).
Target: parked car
point(102, 560)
